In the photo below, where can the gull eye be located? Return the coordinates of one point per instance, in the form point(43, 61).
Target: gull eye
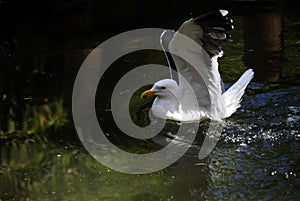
point(162, 87)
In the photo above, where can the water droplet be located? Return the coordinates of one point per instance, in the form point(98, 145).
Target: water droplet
point(243, 144)
point(286, 175)
point(273, 173)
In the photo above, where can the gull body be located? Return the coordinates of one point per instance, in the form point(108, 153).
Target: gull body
point(195, 91)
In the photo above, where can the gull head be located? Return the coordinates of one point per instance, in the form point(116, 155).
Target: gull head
point(162, 88)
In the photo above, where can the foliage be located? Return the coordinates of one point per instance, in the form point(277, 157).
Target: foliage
point(36, 118)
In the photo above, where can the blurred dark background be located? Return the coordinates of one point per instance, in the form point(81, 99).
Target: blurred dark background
point(40, 38)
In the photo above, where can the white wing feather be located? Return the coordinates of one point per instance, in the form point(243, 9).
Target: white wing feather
point(198, 69)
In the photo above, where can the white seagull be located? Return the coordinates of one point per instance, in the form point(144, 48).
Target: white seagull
point(196, 91)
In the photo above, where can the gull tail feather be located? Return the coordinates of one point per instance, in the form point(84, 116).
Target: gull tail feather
point(232, 96)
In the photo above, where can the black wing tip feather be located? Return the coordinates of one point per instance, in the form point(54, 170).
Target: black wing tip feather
point(215, 26)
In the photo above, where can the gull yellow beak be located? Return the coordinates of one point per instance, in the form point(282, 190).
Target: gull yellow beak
point(147, 94)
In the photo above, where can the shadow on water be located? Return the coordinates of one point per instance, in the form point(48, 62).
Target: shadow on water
point(41, 158)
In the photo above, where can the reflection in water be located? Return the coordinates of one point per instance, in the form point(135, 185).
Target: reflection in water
point(39, 171)
point(264, 44)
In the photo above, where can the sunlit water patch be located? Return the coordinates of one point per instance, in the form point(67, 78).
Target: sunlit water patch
point(271, 116)
point(257, 157)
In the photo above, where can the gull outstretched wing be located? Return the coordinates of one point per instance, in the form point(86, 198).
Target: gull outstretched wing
point(195, 49)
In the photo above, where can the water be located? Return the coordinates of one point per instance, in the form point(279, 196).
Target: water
point(256, 158)
point(261, 153)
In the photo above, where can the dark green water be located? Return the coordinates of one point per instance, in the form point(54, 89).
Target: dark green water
point(41, 158)
point(257, 158)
